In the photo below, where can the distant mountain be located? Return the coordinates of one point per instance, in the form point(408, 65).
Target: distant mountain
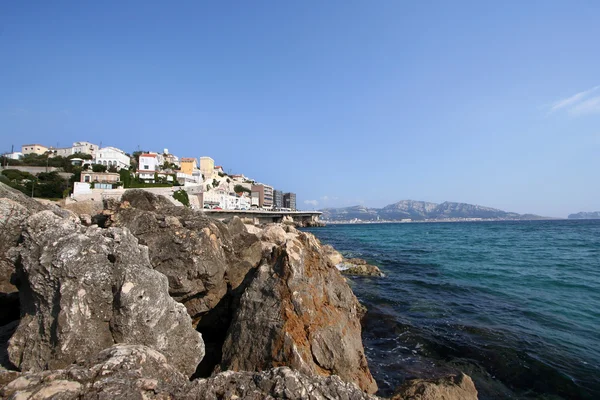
point(585, 215)
point(419, 211)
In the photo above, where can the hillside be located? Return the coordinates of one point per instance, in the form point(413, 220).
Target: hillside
point(419, 211)
point(585, 215)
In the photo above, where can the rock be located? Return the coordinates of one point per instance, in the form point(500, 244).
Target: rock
point(298, 311)
point(202, 258)
point(138, 372)
point(119, 372)
point(84, 207)
point(361, 270)
point(274, 233)
point(15, 208)
point(358, 266)
point(459, 387)
point(84, 289)
point(333, 256)
point(277, 383)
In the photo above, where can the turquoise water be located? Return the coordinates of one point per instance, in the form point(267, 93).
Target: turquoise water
point(514, 304)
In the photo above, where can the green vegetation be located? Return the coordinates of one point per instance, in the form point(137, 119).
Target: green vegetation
point(99, 168)
point(215, 183)
point(182, 196)
point(46, 184)
point(240, 189)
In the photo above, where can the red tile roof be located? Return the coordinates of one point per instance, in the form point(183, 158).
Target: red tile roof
point(148, 155)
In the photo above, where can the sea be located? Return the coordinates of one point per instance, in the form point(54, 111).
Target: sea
point(513, 304)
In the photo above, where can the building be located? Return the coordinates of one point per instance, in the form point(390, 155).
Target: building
point(84, 148)
point(99, 177)
point(15, 155)
point(33, 149)
point(188, 165)
point(207, 167)
point(170, 158)
point(265, 195)
point(219, 170)
point(223, 200)
point(148, 166)
point(277, 199)
point(289, 201)
point(61, 151)
point(112, 157)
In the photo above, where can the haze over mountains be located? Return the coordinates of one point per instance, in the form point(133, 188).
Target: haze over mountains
point(585, 215)
point(421, 210)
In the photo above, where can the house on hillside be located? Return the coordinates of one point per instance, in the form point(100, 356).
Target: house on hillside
point(112, 157)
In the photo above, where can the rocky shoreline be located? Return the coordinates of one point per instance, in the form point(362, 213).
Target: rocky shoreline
point(147, 300)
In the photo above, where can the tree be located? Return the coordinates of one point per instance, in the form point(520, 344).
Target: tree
point(125, 177)
point(239, 189)
point(98, 168)
point(182, 196)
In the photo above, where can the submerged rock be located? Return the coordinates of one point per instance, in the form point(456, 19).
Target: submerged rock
point(459, 387)
point(84, 289)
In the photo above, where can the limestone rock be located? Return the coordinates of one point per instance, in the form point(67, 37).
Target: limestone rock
point(85, 288)
point(332, 255)
point(201, 257)
point(298, 311)
point(138, 372)
point(277, 383)
point(459, 387)
point(358, 266)
point(119, 372)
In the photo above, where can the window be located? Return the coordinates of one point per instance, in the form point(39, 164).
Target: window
point(146, 167)
point(86, 178)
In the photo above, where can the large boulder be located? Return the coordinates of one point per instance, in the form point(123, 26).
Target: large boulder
point(456, 387)
point(83, 289)
point(15, 208)
point(138, 372)
point(200, 256)
point(298, 311)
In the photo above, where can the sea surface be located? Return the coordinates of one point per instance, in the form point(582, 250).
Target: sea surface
point(516, 305)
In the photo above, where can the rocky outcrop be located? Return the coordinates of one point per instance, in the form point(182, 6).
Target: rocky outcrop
point(200, 256)
point(358, 266)
point(84, 289)
point(459, 387)
point(15, 207)
point(138, 372)
point(277, 383)
point(118, 372)
point(308, 317)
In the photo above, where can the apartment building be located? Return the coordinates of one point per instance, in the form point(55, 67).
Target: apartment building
point(289, 201)
point(265, 195)
point(277, 199)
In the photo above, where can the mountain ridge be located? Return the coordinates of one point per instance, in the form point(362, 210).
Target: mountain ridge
point(585, 215)
point(415, 210)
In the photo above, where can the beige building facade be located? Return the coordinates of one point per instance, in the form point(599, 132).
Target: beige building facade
point(33, 149)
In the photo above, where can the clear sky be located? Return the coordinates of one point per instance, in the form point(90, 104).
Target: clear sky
point(342, 102)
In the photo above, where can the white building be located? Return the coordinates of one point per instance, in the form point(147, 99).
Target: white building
point(225, 201)
point(111, 156)
point(85, 148)
point(15, 155)
point(149, 165)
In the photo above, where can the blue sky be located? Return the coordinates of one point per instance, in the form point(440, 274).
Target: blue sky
point(342, 102)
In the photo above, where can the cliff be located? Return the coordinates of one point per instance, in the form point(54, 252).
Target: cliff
point(157, 301)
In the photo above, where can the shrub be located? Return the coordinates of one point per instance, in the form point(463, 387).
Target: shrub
point(182, 196)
